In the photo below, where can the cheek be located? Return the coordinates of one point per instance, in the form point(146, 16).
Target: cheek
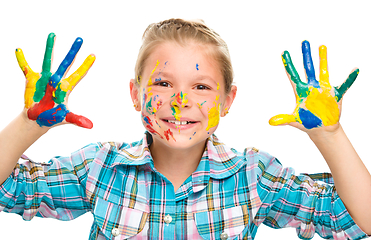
point(210, 108)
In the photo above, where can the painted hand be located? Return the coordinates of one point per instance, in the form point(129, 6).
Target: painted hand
point(318, 104)
point(46, 94)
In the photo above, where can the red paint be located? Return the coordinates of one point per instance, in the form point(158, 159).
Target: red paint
point(167, 133)
point(151, 130)
point(178, 98)
point(46, 103)
point(79, 120)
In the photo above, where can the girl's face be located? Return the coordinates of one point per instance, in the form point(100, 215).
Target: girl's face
point(181, 95)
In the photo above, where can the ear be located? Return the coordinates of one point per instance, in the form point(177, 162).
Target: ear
point(134, 93)
point(228, 101)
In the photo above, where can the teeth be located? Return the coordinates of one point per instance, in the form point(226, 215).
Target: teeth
point(179, 122)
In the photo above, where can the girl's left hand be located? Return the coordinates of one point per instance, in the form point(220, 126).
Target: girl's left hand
point(318, 104)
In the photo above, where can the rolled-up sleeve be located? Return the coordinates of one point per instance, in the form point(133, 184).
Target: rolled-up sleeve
point(55, 189)
point(308, 203)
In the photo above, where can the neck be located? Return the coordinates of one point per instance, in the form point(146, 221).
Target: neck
point(176, 164)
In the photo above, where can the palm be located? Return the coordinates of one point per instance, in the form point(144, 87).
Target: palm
point(318, 104)
point(46, 94)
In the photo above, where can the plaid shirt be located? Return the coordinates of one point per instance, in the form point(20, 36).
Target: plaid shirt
point(227, 197)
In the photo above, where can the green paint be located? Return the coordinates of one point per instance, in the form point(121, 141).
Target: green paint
point(301, 87)
point(340, 91)
point(45, 74)
point(173, 95)
point(149, 107)
point(60, 95)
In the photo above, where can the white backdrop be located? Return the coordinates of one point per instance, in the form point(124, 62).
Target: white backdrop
point(257, 32)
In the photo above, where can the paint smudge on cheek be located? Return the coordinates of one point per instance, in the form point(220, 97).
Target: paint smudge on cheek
point(200, 105)
point(168, 133)
point(197, 66)
point(218, 87)
point(214, 115)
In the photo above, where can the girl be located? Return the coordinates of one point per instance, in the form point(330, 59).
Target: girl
point(180, 181)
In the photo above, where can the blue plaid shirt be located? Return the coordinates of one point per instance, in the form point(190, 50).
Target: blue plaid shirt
point(228, 196)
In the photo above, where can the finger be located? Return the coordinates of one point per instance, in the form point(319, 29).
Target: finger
point(66, 63)
point(340, 91)
point(31, 78)
point(45, 73)
point(80, 121)
point(47, 63)
point(323, 71)
point(282, 119)
point(300, 87)
point(308, 64)
point(69, 83)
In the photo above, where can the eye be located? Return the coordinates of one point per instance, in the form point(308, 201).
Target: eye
point(162, 84)
point(202, 87)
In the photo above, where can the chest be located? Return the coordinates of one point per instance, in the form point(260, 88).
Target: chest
point(139, 204)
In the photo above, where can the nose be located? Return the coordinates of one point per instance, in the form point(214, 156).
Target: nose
point(180, 100)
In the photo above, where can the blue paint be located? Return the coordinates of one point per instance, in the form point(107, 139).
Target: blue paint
point(197, 66)
point(146, 119)
point(157, 79)
point(308, 119)
point(52, 116)
point(194, 133)
point(308, 64)
point(58, 75)
point(154, 99)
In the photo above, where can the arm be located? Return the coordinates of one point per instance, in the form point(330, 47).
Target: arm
point(317, 113)
point(46, 97)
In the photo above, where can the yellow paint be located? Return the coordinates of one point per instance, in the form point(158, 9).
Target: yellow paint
point(323, 72)
point(153, 71)
point(199, 105)
point(214, 116)
point(281, 119)
point(31, 78)
point(184, 99)
point(177, 110)
point(217, 88)
point(284, 61)
point(323, 105)
point(69, 83)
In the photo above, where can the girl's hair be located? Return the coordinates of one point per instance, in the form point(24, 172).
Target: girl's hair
point(182, 31)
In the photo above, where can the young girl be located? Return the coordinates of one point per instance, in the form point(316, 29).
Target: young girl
point(180, 181)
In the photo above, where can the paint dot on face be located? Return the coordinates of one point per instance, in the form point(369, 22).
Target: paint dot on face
point(197, 66)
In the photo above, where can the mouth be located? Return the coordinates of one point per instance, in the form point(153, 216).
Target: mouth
point(179, 122)
point(180, 125)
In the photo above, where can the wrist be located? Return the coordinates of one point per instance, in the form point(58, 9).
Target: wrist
point(31, 125)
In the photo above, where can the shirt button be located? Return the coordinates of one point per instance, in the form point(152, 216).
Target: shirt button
point(224, 236)
point(115, 232)
point(168, 219)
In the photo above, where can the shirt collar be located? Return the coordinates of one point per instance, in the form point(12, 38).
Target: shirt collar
point(218, 160)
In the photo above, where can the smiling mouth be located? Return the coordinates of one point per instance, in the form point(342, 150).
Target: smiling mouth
point(179, 122)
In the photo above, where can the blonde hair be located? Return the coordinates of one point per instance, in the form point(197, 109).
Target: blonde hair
point(181, 31)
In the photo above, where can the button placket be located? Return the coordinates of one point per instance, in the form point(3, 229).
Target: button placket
point(115, 232)
point(224, 236)
point(168, 219)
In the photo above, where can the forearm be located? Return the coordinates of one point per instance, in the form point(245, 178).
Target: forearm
point(15, 138)
point(352, 179)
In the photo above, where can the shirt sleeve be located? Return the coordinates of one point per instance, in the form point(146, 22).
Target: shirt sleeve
point(303, 202)
point(55, 189)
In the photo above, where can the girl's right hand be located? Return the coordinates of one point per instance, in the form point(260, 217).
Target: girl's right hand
point(46, 94)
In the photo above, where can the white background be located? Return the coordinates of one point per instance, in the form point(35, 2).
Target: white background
point(257, 32)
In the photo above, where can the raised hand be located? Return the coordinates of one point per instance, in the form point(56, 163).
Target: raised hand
point(46, 94)
point(318, 104)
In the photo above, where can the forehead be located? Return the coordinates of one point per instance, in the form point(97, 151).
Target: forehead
point(171, 58)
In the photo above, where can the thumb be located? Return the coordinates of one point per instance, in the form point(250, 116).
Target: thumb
point(80, 121)
point(282, 119)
